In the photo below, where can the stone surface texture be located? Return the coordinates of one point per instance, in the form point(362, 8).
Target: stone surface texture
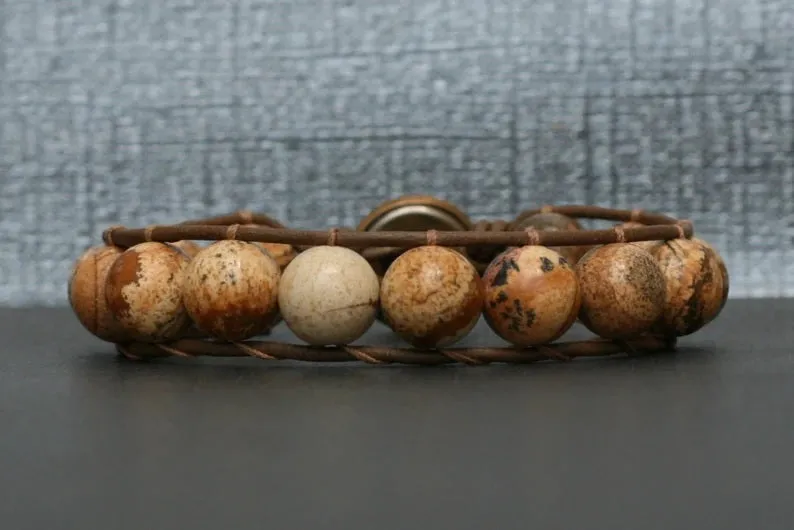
point(230, 290)
point(697, 286)
point(623, 290)
point(532, 295)
point(86, 292)
point(431, 296)
point(144, 292)
point(328, 295)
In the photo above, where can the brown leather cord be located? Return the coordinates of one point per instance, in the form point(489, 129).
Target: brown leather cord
point(126, 237)
point(484, 254)
point(659, 227)
point(598, 212)
point(264, 350)
point(241, 217)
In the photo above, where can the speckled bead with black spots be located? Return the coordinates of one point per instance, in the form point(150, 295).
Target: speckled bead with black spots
point(531, 295)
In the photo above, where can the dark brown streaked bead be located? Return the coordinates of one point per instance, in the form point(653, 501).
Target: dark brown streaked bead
point(697, 284)
point(623, 290)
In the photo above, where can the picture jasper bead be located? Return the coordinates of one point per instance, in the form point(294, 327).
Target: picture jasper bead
point(697, 284)
point(144, 292)
point(552, 221)
point(86, 293)
point(531, 295)
point(623, 290)
point(230, 290)
point(431, 296)
point(328, 295)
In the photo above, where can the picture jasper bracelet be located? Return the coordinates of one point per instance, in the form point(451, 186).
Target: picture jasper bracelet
point(420, 266)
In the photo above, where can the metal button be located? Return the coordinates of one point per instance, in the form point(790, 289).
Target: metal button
point(416, 213)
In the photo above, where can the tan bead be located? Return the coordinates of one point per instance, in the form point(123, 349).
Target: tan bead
point(281, 252)
point(144, 292)
point(697, 284)
point(554, 222)
point(87, 293)
point(431, 296)
point(191, 248)
point(623, 290)
point(328, 295)
point(230, 290)
point(531, 295)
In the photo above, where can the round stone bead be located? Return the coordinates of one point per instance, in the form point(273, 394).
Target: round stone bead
point(531, 295)
point(552, 221)
point(86, 293)
point(144, 292)
point(623, 290)
point(230, 290)
point(328, 295)
point(697, 284)
point(431, 296)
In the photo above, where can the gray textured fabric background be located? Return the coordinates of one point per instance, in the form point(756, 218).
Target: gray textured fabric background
point(136, 112)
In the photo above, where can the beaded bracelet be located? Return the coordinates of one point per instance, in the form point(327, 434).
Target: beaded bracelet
point(638, 285)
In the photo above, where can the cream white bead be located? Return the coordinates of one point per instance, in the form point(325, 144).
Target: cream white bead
point(328, 295)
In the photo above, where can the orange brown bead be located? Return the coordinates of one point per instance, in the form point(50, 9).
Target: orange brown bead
point(431, 296)
point(86, 293)
point(144, 292)
point(697, 284)
point(532, 295)
point(230, 290)
point(623, 290)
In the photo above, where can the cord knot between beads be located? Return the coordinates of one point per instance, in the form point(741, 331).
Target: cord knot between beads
point(333, 235)
point(148, 233)
point(620, 234)
point(533, 236)
point(231, 231)
point(682, 227)
point(107, 235)
point(432, 237)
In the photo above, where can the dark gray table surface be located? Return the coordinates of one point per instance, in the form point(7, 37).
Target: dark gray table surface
point(700, 439)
